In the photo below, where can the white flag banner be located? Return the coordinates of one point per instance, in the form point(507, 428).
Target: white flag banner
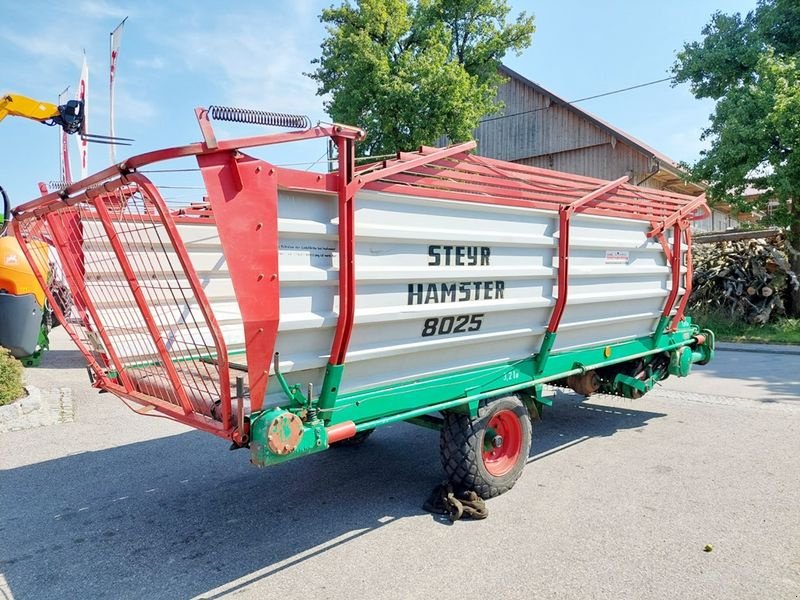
point(116, 41)
point(83, 94)
point(63, 148)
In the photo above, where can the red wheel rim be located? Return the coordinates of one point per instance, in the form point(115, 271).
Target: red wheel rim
point(500, 460)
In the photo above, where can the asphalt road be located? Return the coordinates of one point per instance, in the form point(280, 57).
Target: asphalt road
point(618, 501)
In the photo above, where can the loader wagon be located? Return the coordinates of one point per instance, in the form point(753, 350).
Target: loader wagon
point(289, 310)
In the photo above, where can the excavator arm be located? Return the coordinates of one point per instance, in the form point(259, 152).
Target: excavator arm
point(69, 116)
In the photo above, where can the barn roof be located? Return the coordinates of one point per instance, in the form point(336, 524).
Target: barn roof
point(669, 172)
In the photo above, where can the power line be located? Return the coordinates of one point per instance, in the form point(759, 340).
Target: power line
point(619, 91)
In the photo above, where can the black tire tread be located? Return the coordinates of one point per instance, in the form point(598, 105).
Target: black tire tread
point(460, 443)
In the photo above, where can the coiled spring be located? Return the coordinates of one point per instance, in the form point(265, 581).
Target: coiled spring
point(258, 117)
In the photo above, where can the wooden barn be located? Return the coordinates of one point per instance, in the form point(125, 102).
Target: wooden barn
point(539, 128)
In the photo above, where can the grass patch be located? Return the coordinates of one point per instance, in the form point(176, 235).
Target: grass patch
point(10, 378)
point(785, 331)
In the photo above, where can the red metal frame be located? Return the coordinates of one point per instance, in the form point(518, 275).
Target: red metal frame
point(141, 303)
point(685, 213)
point(349, 182)
point(76, 280)
point(243, 204)
point(347, 278)
point(77, 191)
point(687, 288)
point(564, 216)
point(674, 258)
point(178, 246)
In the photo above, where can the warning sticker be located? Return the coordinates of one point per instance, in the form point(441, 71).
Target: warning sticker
point(617, 257)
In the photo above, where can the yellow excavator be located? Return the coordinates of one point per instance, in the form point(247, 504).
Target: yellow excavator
point(25, 317)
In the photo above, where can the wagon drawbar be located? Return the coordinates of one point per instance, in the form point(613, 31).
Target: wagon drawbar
point(287, 311)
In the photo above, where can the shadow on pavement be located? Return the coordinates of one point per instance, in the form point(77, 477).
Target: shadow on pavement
point(63, 359)
point(178, 516)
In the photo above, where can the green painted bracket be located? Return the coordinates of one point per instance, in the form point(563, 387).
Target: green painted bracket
point(313, 439)
point(680, 361)
point(293, 392)
point(540, 362)
point(534, 401)
point(704, 353)
point(330, 388)
point(660, 329)
point(628, 386)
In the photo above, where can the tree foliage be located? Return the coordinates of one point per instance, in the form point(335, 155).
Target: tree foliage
point(410, 71)
point(10, 378)
point(751, 66)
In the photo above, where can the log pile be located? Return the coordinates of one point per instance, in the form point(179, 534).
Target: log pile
point(745, 279)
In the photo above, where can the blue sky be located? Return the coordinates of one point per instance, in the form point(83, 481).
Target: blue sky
point(179, 55)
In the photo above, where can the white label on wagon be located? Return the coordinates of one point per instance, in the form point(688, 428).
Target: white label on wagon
point(617, 257)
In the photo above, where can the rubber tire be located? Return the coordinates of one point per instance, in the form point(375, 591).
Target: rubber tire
point(461, 447)
point(355, 441)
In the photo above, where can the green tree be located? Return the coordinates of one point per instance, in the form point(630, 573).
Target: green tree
point(409, 71)
point(751, 66)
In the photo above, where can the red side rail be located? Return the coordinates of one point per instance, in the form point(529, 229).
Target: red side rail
point(564, 216)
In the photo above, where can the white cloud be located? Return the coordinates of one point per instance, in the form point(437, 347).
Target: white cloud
point(155, 62)
point(46, 45)
point(100, 9)
point(133, 108)
point(255, 62)
point(128, 108)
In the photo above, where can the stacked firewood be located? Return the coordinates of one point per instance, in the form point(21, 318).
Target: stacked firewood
point(745, 279)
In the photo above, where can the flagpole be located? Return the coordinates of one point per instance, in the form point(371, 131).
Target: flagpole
point(83, 94)
point(63, 155)
point(114, 41)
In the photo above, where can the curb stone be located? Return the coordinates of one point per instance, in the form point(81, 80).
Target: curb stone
point(38, 409)
point(758, 348)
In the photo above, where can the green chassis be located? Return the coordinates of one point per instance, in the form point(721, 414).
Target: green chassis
point(464, 390)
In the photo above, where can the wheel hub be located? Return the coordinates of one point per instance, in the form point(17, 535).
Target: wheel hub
point(502, 443)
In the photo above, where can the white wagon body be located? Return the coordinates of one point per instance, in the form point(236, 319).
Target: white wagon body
point(440, 285)
point(289, 311)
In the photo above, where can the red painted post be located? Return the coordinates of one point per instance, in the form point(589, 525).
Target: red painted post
point(676, 270)
point(689, 274)
point(247, 220)
point(346, 204)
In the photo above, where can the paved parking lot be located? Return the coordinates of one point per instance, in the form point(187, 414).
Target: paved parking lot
point(618, 501)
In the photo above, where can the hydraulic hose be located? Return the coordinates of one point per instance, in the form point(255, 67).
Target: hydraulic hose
point(6, 211)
